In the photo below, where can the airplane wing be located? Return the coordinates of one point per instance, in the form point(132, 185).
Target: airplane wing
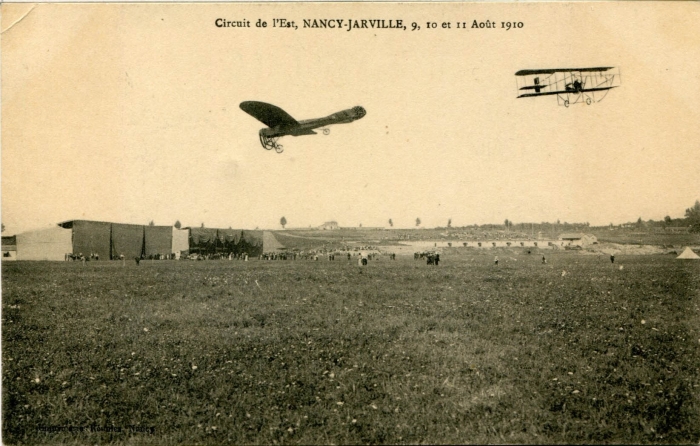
point(268, 114)
point(556, 70)
point(529, 95)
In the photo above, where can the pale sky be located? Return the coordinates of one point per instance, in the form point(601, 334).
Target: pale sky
point(130, 113)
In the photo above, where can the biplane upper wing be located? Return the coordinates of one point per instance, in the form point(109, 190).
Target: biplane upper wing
point(268, 114)
point(559, 70)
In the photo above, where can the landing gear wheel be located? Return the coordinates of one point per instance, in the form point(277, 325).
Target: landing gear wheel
point(588, 101)
point(326, 131)
point(270, 143)
point(266, 142)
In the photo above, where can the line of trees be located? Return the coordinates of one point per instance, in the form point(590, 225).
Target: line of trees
point(692, 215)
point(690, 221)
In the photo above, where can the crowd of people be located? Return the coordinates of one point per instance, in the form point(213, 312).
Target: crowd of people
point(432, 257)
point(329, 255)
point(93, 256)
point(70, 257)
point(458, 234)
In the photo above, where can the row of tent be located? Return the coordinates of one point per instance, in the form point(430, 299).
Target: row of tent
point(105, 240)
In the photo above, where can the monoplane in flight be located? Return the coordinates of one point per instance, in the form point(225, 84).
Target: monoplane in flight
point(279, 123)
point(571, 85)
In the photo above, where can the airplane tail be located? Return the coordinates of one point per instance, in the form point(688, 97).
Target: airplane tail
point(359, 112)
point(303, 132)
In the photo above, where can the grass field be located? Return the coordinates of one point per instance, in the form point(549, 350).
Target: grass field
point(575, 351)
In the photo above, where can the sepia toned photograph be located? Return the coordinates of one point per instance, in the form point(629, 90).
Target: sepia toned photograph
point(350, 223)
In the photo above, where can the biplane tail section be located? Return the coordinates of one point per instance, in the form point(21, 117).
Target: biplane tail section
point(268, 114)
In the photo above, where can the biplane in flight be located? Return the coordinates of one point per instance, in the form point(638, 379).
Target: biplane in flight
point(279, 123)
point(571, 85)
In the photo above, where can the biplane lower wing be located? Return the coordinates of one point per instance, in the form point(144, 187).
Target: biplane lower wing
point(529, 95)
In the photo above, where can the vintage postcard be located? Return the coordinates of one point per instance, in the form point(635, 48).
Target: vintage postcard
point(350, 222)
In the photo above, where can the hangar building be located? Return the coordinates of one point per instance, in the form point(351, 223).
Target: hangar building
point(225, 241)
point(578, 239)
point(44, 244)
point(109, 240)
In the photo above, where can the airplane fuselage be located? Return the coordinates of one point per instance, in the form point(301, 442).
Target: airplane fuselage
point(306, 126)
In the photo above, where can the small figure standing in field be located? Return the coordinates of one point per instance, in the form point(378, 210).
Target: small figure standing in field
point(495, 261)
point(544, 260)
point(138, 260)
point(437, 258)
point(612, 258)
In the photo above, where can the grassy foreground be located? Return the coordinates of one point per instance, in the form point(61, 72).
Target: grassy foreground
point(574, 351)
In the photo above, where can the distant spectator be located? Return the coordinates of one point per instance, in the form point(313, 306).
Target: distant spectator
point(612, 258)
point(495, 261)
point(138, 260)
point(544, 260)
